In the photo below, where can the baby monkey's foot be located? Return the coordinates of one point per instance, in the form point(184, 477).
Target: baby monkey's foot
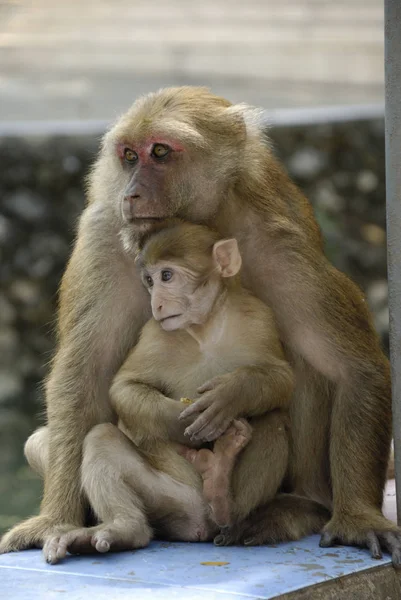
point(216, 468)
point(233, 440)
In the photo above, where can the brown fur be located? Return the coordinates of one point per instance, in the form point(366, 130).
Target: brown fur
point(227, 177)
point(237, 349)
point(231, 342)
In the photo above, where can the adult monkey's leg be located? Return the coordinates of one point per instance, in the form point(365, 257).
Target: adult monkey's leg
point(36, 451)
point(286, 518)
point(330, 328)
point(101, 311)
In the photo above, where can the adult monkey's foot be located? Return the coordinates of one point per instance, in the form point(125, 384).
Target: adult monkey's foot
point(31, 533)
point(372, 531)
point(286, 518)
point(216, 468)
point(116, 536)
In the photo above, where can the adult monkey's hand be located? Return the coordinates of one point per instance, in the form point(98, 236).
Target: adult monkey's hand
point(184, 152)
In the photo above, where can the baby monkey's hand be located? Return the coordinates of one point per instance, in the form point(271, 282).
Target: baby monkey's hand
point(215, 408)
point(176, 424)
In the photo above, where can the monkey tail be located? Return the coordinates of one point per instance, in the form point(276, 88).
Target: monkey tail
point(286, 518)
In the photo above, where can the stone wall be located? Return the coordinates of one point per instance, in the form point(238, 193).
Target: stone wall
point(340, 167)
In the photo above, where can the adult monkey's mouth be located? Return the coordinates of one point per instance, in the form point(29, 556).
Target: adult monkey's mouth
point(141, 219)
point(170, 317)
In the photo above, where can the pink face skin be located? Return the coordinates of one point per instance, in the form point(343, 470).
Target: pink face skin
point(146, 196)
point(144, 150)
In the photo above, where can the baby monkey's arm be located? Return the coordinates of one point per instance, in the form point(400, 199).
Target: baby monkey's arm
point(246, 392)
point(138, 401)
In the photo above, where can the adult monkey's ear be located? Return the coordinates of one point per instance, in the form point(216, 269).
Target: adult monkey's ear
point(227, 257)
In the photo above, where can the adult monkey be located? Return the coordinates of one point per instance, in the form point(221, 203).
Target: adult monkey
point(184, 152)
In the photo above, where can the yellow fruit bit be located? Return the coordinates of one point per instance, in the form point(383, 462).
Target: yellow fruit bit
point(186, 400)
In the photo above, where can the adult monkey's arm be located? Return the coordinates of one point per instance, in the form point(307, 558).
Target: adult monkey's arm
point(325, 322)
point(98, 322)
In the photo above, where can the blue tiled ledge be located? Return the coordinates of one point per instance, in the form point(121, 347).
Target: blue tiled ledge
point(175, 571)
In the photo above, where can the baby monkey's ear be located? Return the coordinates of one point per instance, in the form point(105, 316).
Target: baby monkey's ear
point(227, 257)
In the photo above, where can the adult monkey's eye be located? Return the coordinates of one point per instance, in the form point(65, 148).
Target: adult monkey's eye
point(149, 280)
point(160, 150)
point(130, 155)
point(166, 275)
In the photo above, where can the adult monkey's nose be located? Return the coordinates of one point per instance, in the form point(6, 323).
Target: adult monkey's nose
point(128, 207)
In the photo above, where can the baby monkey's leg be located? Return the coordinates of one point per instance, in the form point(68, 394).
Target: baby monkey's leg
point(130, 497)
point(109, 466)
point(216, 468)
point(263, 464)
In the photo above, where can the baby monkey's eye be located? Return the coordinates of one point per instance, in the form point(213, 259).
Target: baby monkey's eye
point(160, 150)
point(130, 155)
point(149, 281)
point(166, 275)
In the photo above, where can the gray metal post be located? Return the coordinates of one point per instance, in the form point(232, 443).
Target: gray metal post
point(393, 201)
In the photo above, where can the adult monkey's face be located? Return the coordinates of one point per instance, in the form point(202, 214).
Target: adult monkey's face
point(175, 153)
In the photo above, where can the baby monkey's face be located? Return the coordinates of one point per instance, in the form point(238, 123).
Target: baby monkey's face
point(180, 297)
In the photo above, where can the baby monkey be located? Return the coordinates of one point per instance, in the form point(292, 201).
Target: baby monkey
point(148, 476)
point(193, 279)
